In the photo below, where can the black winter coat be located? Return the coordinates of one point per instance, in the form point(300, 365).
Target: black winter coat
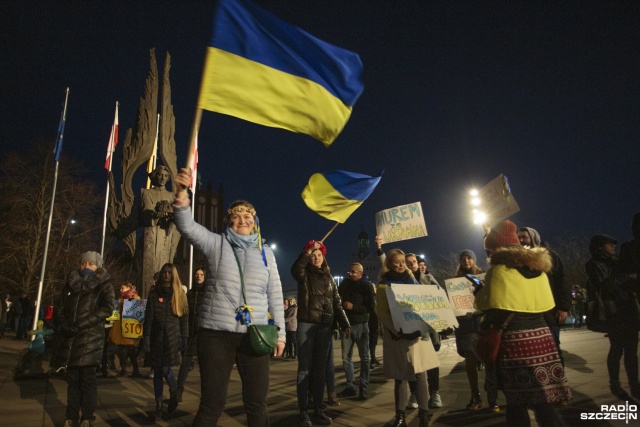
point(194, 298)
point(607, 277)
point(318, 298)
point(164, 329)
point(361, 295)
point(79, 319)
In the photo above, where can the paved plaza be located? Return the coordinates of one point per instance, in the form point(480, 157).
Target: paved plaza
point(39, 399)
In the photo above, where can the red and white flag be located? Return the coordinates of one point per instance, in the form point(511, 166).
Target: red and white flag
point(113, 141)
point(194, 165)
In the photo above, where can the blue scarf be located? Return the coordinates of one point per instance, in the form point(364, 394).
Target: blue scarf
point(246, 242)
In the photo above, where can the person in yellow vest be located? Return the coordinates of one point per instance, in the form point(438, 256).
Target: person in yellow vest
point(126, 346)
point(529, 369)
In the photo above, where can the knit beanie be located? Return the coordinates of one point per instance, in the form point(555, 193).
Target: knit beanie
point(93, 257)
point(470, 254)
point(505, 233)
point(310, 244)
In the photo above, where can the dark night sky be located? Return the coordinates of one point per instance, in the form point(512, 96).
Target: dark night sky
point(455, 94)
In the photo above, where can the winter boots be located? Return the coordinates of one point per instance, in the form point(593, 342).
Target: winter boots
point(401, 419)
point(425, 417)
point(173, 403)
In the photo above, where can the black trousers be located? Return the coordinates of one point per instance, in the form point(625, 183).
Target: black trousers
point(82, 393)
point(217, 353)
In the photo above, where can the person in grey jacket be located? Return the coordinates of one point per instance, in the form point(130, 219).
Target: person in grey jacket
point(234, 259)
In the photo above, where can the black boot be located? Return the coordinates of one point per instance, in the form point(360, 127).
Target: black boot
point(425, 417)
point(400, 420)
point(173, 402)
point(157, 415)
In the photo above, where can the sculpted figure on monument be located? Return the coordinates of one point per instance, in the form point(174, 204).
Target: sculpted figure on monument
point(151, 210)
point(160, 235)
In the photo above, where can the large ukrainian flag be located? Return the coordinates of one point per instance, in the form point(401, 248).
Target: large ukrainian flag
point(336, 194)
point(262, 69)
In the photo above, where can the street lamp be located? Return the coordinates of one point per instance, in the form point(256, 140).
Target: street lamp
point(338, 279)
point(72, 221)
point(273, 246)
point(479, 217)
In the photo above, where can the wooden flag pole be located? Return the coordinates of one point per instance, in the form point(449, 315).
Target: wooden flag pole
point(330, 231)
point(194, 134)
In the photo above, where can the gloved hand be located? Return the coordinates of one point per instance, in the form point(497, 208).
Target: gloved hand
point(412, 336)
point(183, 344)
point(436, 347)
point(69, 330)
point(147, 344)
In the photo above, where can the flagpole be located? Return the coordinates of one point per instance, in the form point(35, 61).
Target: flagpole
point(194, 136)
point(153, 160)
point(59, 140)
point(330, 231)
point(193, 215)
point(111, 149)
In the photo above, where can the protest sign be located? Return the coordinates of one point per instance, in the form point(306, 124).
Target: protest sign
point(115, 314)
point(401, 223)
point(133, 317)
point(461, 296)
point(497, 202)
point(414, 306)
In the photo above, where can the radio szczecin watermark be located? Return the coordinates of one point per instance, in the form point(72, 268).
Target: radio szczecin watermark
point(624, 412)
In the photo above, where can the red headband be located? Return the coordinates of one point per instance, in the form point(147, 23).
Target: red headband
point(311, 243)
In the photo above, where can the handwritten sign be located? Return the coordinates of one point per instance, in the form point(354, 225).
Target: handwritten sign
point(115, 314)
point(413, 307)
point(133, 317)
point(497, 201)
point(401, 223)
point(461, 296)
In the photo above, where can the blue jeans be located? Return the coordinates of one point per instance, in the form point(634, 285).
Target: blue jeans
point(160, 373)
point(360, 337)
point(313, 350)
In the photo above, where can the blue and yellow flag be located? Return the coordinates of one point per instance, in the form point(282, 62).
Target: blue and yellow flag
point(336, 194)
point(262, 69)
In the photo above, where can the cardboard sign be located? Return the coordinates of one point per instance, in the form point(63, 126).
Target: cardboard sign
point(401, 223)
point(461, 296)
point(115, 315)
point(133, 317)
point(414, 306)
point(497, 202)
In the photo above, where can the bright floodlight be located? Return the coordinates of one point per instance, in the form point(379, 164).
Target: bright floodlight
point(73, 221)
point(473, 193)
point(475, 201)
point(479, 217)
point(273, 246)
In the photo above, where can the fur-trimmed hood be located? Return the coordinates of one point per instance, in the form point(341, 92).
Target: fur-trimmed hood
point(537, 259)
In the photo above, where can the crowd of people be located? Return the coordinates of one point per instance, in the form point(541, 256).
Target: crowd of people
point(524, 292)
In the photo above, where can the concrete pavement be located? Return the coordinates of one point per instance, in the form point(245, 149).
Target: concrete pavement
point(40, 399)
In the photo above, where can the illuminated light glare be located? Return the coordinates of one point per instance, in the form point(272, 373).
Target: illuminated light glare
point(73, 221)
point(273, 246)
point(473, 193)
point(475, 201)
point(479, 218)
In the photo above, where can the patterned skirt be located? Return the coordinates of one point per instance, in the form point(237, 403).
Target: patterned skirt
point(529, 368)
